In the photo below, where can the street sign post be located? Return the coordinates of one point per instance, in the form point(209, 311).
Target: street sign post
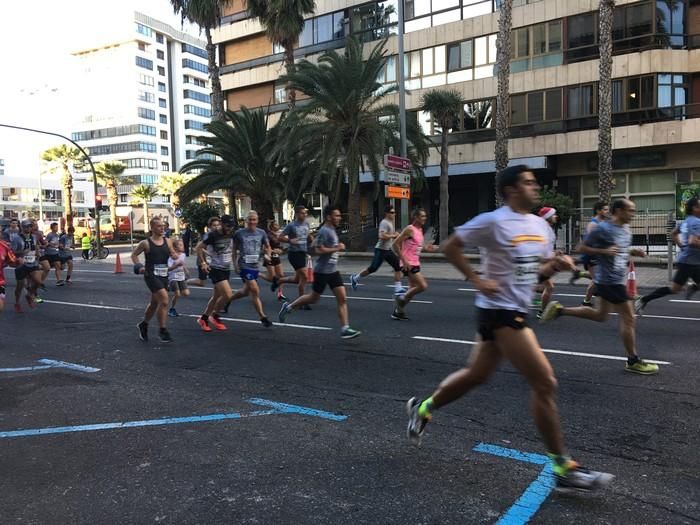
point(397, 192)
point(395, 162)
point(397, 177)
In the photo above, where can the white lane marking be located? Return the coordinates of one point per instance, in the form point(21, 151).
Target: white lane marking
point(556, 294)
point(374, 299)
point(546, 350)
point(682, 301)
point(253, 321)
point(72, 366)
point(91, 271)
point(645, 316)
point(467, 290)
point(85, 305)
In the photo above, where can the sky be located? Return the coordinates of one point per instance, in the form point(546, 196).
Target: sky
point(38, 81)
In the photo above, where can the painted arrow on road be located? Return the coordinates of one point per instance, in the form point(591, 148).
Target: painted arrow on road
point(51, 363)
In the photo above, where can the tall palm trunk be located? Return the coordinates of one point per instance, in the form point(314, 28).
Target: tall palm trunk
point(289, 63)
point(265, 209)
point(67, 183)
point(354, 220)
point(230, 203)
point(217, 95)
point(146, 227)
point(444, 215)
point(503, 51)
point(606, 182)
point(113, 199)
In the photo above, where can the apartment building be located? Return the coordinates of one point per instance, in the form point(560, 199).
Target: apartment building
point(146, 101)
point(553, 84)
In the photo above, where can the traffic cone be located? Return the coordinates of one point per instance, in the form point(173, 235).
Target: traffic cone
point(632, 282)
point(309, 270)
point(118, 265)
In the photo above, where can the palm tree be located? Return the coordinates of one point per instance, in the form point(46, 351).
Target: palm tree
point(144, 194)
point(238, 158)
point(444, 107)
point(606, 181)
point(169, 185)
point(346, 126)
point(503, 54)
point(109, 175)
point(207, 15)
point(67, 158)
point(283, 21)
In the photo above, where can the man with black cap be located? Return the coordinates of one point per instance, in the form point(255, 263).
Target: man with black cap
point(218, 246)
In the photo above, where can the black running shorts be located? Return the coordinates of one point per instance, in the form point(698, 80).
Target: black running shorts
point(22, 272)
point(685, 272)
point(297, 259)
point(274, 260)
point(612, 293)
point(321, 280)
point(488, 321)
point(156, 283)
point(201, 273)
point(51, 258)
point(413, 270)
point(217, 275)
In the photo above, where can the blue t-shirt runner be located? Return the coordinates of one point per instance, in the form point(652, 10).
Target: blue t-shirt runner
point(249, 244)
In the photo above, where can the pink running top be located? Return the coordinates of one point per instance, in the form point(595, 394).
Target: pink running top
point(412, 246)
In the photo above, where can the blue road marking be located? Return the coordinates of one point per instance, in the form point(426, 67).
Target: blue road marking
point(535, 495)
point(51, 363)
point(276, 408)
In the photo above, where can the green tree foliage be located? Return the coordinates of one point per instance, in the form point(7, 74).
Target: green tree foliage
point(562, 203)
point(196, 214)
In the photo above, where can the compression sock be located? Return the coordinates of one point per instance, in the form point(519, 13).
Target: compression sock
point(656, 294)
point(426, 407)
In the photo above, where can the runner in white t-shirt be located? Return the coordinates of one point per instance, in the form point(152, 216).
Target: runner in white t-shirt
point(516, 254)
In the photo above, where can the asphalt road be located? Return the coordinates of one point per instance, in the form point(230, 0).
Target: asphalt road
point(335, 451)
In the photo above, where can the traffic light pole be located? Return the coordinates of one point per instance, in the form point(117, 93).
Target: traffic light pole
point(98, 239)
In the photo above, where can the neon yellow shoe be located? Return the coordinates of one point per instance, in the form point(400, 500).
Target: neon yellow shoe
point(642, 367)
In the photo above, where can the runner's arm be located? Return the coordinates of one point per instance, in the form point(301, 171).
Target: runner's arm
point(199, 250)
point(141, 247)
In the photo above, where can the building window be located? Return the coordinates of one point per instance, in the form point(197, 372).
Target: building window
point(537, 46)
point(109, 149)
point(196, 110)
point(320, 29)
point(147, 113)
point(159, 38)
point(197, 66)
point(280, 93)
point(146, 80)
point(163, 119)
point(388, 73)
point(144, 63)
point(374, 21)
point(421, 14)
point(162, 103)
point(160, 54)
point(633, 26)
point(191, 139)
point(537, 106)
point(471, 59)
point(196, 95)
point(150, 164)
point(673, 90)
point(161, 87)
point(198, 51)
point(164, 166)
point(163, 134)
point(194, 124)
point(582, 42)
point(164, 150)
point(161, 71)
point(146, 96)
point(582, 101)
point(117, 131)
point(79, 197)
point(142, 46)
point(146, 31)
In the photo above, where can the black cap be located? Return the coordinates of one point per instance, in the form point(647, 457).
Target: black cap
point(228, 220)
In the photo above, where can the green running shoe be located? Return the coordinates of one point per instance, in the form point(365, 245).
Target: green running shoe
point(552, 311)
point(642, 367)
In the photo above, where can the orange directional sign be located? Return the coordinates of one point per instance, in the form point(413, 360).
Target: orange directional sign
point(397, 192)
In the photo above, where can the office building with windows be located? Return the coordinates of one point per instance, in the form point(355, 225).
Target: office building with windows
point(554, 88)
point(146, 101)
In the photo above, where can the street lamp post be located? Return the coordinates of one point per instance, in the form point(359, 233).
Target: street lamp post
point(402, 106)
point(98, 239)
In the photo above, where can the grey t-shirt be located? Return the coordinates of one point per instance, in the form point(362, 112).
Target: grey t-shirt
point(689, 254)
point(387, 227)
point(52, 240)
point(250, 245)
point(299, 231)
point(220, 250)
point(327, 262)
point(611, 269)
point(65, 244)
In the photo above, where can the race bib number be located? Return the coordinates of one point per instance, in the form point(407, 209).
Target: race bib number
point(251, 259)
point(179, 275)
point(29, 259)
point(227, 257)
point(526, 270)
point(334, 257)
point(160, 270)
